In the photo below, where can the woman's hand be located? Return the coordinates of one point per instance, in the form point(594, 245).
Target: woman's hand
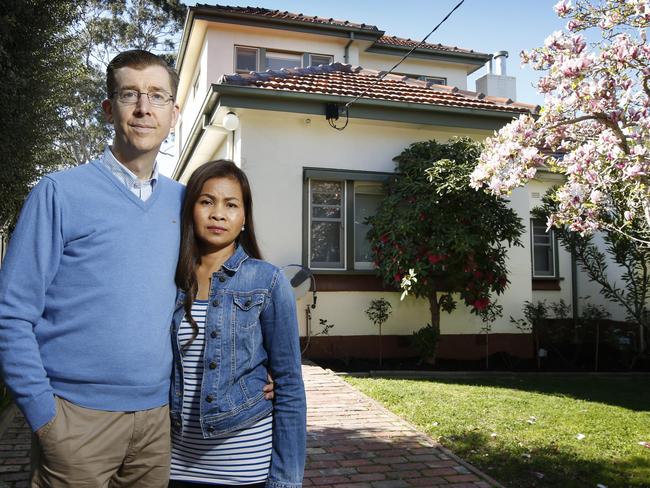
point(268, 389)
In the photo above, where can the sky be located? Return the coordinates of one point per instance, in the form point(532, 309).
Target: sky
point(485, 26)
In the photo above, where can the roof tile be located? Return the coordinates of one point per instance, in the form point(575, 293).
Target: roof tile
point(265, 12)
point(351, 81)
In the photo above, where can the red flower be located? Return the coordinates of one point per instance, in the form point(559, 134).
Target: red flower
point(481, 303)
point(384, 238)
point(435, 258)
point(423, 216)
point(478, 275)
point(397, 277)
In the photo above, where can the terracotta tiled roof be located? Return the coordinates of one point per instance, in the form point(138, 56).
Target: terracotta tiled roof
point(409, 43)
point(348, 81)
point(278, 14)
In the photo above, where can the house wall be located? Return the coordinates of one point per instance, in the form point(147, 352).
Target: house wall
point(587, 290)
point(217, 57)
point(456, 74)
point(275, 149)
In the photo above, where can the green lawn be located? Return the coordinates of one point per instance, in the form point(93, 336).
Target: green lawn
point(533, 431)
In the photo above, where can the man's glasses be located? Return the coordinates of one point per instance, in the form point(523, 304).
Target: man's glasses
point(131, 97)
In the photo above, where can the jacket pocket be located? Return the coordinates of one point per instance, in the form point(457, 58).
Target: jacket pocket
point(247, 308)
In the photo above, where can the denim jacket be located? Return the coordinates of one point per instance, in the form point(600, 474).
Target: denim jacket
point(251, 328)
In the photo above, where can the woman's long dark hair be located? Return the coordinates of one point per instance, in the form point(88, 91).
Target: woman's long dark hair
point(190, 256)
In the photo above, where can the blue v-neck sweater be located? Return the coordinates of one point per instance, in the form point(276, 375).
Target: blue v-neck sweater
point(87, 292)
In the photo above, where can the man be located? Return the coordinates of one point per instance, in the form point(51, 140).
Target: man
point(86, 297)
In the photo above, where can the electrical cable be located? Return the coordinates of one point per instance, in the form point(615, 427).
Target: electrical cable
point(346, 107)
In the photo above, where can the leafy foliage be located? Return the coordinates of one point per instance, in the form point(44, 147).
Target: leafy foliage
point(631, 255)
point(453, 237)
point(38, 63)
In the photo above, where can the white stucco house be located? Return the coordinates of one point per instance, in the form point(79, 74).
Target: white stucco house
point(255, 88)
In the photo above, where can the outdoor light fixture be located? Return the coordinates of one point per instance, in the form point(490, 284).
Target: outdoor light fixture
point(230, 121)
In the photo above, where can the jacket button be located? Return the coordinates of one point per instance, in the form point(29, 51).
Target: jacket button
point(212, 365)
point(222, 279)
point(247, 304)
point(211, 429)
point(177, 424)
point(209, 398)
point(215, 303)
point(213, 334)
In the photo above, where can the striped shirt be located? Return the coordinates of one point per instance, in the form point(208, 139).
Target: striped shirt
point(240, 457)
point(140, 188)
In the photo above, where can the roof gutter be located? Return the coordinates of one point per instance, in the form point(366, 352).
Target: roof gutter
point(313, 103)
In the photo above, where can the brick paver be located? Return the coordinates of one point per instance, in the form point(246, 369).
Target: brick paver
point(353, 442)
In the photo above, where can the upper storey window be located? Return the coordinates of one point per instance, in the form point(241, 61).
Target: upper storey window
point(436, 80)
point(260, 59)
point(276, 60)
point(246, 59)
point(318, 59)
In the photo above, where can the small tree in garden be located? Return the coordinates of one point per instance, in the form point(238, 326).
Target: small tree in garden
point(378, 313)
point(596, 113)
point(453, 238)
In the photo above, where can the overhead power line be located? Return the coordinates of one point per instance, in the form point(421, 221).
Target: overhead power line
point(347, 105)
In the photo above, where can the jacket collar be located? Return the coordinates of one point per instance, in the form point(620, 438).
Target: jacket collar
point(233, 263)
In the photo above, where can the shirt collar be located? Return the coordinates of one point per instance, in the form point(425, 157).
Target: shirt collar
point(117, 168)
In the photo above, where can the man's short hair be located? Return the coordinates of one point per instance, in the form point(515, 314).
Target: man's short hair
point(138, 59)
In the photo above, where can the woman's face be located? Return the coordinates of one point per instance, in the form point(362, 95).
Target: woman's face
point(219, 214)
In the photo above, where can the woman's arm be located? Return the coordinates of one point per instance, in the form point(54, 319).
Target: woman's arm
point(282, 344)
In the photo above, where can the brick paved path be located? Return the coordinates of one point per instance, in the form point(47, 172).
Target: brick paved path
point(352, 443)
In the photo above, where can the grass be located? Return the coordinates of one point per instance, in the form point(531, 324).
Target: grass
point(523, 430)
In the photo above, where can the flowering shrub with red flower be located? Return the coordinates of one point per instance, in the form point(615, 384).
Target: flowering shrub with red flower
point(453, 237)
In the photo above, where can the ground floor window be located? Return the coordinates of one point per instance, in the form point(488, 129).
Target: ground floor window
point(338, 204)
point(544, 250)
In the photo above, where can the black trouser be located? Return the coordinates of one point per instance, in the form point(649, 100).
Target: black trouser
point(189, 484)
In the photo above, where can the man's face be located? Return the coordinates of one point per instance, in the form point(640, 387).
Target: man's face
point(140, 127)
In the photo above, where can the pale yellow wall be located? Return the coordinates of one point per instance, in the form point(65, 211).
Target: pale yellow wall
point(456, 74)
point(274, 149)
point(586, 288)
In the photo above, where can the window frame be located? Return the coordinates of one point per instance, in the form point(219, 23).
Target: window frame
point(348, 177)
point(299, 55)
point(331, 56)
point(257, 58)
point(555, 275)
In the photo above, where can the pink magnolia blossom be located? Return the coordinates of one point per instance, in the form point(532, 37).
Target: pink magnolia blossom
point(596, 115)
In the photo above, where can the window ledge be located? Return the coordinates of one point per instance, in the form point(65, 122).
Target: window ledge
point(552, 284)
point(346, 281)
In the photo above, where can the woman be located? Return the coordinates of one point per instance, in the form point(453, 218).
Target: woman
point(235, 321)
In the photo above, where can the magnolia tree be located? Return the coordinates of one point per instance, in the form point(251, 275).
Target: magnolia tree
point(594, 127)
point(437, 238)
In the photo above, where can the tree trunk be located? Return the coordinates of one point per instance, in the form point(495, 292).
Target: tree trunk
point(434, 307)
point(380, 354)
point(597, 345)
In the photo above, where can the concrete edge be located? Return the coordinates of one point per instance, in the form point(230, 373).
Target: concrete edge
point(6, 417)
point(413, 427)
point(481, 374)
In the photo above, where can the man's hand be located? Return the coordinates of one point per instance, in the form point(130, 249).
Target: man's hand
point(268, 389)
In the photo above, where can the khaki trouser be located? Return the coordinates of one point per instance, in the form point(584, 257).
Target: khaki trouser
point(85, 448)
